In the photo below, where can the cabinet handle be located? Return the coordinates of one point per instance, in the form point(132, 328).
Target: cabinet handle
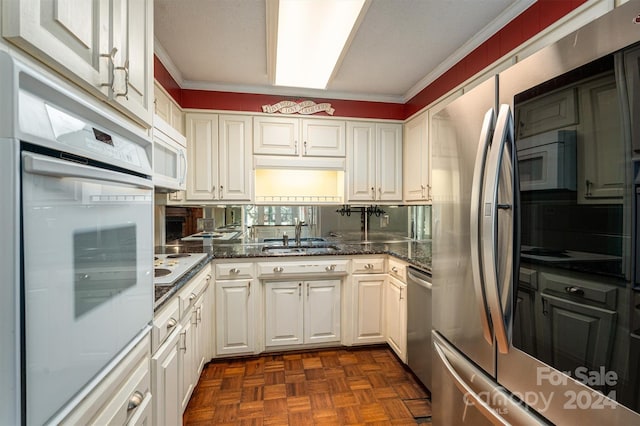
point(379, 193)
point(368, 266)
point(296, 147)
point(307, 290)
point(111, 55)
point(171, 323)
point(422, 188)
point(199, 315)
point(278, 269)
point(429, 192)
point(305, 148)
point(330, 268)
point(234, 271)
point(249, 293)
point(124, 68)
point(192, 297)
point(221, 192)
point(400, 293)
point(373, 193)
point(299, 290)
point(208, 277)
point(545, 311)
point(184, 341)
point(588, 183)
point(394, 269)
point(135, 401)
point(574, 290)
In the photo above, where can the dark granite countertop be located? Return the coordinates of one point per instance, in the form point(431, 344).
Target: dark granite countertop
point(416, 253)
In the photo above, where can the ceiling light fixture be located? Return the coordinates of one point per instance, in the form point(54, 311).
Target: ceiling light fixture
point(312, 35)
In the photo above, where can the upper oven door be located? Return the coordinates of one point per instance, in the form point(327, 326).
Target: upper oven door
point(88, 284)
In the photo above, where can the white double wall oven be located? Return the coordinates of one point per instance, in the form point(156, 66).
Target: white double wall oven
point(80, 292)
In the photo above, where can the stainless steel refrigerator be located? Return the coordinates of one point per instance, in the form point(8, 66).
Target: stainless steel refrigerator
point(535, 309)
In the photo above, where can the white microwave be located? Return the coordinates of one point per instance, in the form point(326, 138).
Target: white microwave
point(169, 157)
point(547, 161)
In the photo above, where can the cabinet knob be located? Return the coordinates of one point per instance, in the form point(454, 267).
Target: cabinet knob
point(135, 400)
point(278, 269)
point(171, 323)
point(574, 290)
point(192, 297)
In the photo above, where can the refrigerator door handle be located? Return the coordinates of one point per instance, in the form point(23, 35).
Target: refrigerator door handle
point(500, 307)
point(475, 220)
point(480, 391)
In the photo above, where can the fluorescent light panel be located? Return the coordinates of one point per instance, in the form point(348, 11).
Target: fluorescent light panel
point(311, 37)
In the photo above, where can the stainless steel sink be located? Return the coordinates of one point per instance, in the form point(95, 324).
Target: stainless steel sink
point(289, 251)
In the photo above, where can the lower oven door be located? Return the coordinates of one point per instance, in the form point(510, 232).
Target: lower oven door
point(87, 283)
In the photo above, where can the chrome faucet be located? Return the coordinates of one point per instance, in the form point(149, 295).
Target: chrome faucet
point(298, 224)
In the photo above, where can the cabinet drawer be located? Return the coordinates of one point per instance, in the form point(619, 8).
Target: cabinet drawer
point(134, 393)
point(164, 323)
point(234, 270)
point(193, 289)
point(303, 268)
point(398, 269)
point(368, 266)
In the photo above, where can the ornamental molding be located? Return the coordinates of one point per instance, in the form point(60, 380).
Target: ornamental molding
point(304, 107)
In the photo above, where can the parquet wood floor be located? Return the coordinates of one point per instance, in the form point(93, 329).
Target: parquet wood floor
point(362, 386)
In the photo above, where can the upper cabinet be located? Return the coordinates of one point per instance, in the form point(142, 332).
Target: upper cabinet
point(374, 161)
point(218, 150)
point(167, 109)
point(105, 47)
point(417, 160)
point(298, 137)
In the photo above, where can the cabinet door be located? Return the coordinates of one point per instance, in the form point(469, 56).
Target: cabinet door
point(600, 141)
point(368, 315)
point(235, 160)
point(162, 104)
point(68, 35)
point(389, 162)
point(416, 160)
point(284, 313)
point(322, 311)
point(361, 173)
point(276, 135)
point(323, 138)
point(187, 361)
point(202, 151)
point(577, 334)
point(199, 336)
point(235, 320)
point(396, 314)
point(133, 73)
point(166, 381)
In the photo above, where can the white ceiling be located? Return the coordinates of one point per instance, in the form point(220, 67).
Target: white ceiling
point(399, 48)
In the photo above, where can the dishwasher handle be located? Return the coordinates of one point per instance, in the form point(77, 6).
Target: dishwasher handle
point(421, 280)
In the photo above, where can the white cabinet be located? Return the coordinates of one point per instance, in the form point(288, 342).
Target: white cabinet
point(105, 47)
point(218, 150)
point(302, 312)
point(235, 316)
point(368, 309)
point(417, 160)
point(298, 137)
point(167, 109)
point(186, 360)
point(167, 381)
point(396, 315)
point(374, 161)
point(600, 143)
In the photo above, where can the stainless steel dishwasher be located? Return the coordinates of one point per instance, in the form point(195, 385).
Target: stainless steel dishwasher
point(419, 324)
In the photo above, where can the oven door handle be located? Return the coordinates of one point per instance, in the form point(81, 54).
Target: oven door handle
point(48, 166)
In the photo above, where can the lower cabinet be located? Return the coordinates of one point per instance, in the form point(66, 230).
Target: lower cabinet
point(396, 315)
point(235, 316)
point(368, 309)
point(302, 312)
point(181, 331)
